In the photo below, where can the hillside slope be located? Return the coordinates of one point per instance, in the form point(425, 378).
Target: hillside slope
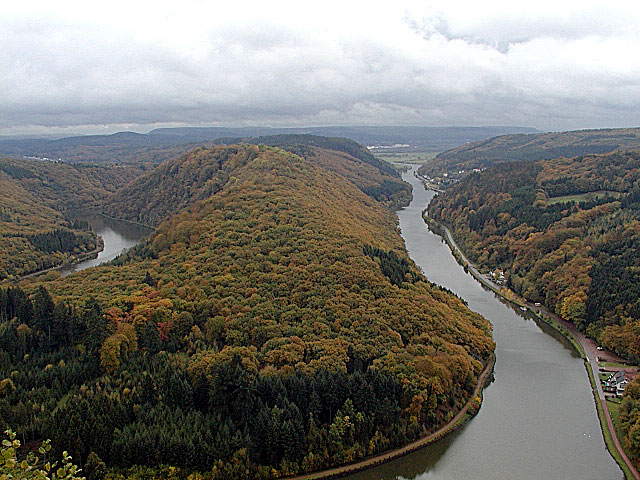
point(519, 147)
point(566, 232)
point(34, 199)
point(196, 175)
point(275, 327)
point(166, 143)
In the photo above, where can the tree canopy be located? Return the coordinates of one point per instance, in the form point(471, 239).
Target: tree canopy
point(273, 324)
point(565, 231)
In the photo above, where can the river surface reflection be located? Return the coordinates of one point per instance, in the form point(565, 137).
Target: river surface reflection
point(117, 235)
point(538, 419)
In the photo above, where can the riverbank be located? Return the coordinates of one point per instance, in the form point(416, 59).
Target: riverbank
point(132, 222)
point(462, 417)
point(560, 325)
point(113, 236)
point(77, 259)
point(585, 347)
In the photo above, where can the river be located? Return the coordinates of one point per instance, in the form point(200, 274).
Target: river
point(538, 419)
point(117, 235)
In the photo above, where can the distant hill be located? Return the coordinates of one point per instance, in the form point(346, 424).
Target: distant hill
point(195, 176)
point(165, 143)
point(540, 146)
point(34, 197)
point(294, 142)
point(433, 139)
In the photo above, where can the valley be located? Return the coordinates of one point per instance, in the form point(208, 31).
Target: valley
point(275, 273)
point(268, 283)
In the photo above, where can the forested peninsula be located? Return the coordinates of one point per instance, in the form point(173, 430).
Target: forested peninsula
point(272, 325)
point(36, 197)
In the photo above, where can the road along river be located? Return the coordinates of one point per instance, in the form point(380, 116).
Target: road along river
point(538, 419)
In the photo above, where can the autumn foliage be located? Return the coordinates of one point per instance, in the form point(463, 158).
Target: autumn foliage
point(36, 197)
point(272, 324)
point(566, 232)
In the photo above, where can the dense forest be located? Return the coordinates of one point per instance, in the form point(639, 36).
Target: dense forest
point(375, 177)
point(629, 420)
point(273, 324)
point(539, 146)
point(35, 197)
point(566, 232)
point(189, 178)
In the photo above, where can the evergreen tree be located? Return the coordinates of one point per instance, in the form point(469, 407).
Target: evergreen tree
point(43, 308)
point(94, 468)
point(96, 323)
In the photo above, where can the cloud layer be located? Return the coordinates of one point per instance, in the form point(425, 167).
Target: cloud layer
point(67, 66)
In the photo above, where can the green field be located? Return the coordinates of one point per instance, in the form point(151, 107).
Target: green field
point(617, 365)
point(583, 197)
point(614, 407)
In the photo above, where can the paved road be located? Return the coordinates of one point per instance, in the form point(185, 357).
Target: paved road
point(588, 345)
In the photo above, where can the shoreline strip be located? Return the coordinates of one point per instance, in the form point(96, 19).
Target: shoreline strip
point(573, 336)
point(443, 431)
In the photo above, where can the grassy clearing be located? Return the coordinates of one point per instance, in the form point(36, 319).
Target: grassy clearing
point(413, 157)
point(614, 407)
point(583, 197)
point(617, 365)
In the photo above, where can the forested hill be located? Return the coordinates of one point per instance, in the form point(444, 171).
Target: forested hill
point(35, 196)
point(66, 187)
point(518, 147)
point(298, 143)
point(566, 232)
point(166, 143)
point(275, 327)
point(202, 172)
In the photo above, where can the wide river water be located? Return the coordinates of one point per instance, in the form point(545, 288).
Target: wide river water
point(117, 235)
point(538, 419)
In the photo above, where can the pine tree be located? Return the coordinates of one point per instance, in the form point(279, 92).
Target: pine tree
point(96, 323)
point(43, 307)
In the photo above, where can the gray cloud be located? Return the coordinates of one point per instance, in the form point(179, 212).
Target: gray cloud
point(67, 69)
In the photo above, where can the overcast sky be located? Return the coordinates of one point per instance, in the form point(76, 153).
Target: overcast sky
point(85, 67)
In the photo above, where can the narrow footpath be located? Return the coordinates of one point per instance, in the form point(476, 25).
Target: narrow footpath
point(588, 346)
point(423, 442)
